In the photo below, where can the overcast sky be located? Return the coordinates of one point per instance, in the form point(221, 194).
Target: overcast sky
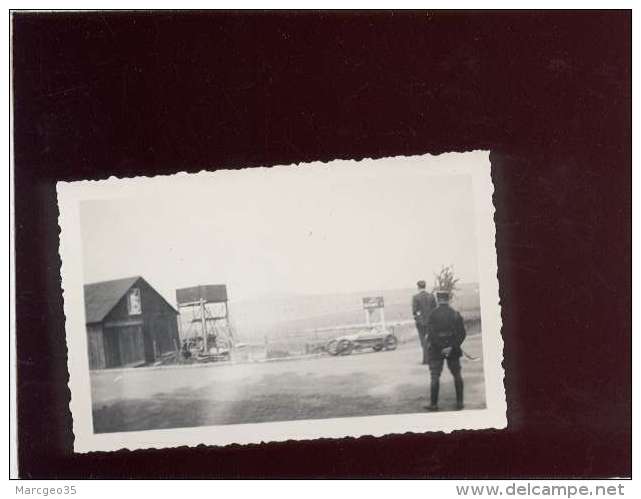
point(296, 230)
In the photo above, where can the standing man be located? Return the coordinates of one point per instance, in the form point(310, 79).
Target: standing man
point(422, 305)
point(446, 333)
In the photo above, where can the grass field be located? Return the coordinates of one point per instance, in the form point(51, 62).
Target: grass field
point(361, 384)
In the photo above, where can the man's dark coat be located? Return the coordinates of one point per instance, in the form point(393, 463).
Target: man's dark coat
point(422, 305)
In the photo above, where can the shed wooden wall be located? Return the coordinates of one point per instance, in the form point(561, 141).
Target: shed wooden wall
point(164, 329)
point(95, 346)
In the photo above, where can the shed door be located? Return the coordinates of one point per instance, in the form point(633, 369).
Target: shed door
point(129, 348)
point(112, 347)
point(132, 350)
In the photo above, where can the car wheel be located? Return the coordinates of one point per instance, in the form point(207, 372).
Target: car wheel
point(344, 347)
point(332, 347)
point(391, 342)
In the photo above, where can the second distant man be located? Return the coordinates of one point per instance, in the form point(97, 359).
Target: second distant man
point(422, 305)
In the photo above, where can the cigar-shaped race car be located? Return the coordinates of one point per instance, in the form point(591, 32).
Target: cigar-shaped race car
point(377, 339)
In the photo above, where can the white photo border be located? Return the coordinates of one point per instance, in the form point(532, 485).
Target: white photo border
point(70, 194)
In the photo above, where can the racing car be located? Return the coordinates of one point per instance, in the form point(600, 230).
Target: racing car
point(375, 338)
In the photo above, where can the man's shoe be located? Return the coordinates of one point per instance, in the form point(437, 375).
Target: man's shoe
point(431, 408)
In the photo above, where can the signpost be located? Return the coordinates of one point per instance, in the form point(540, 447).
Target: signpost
point(370, 305)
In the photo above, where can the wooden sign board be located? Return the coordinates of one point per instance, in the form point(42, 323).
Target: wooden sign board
point(373, 302)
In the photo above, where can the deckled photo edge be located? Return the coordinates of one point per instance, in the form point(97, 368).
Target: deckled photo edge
point(492, 417)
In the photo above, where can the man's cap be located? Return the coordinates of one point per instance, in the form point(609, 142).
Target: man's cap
point(442, 295)
point(421, 284)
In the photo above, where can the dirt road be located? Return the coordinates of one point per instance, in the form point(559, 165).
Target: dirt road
point(361, 384)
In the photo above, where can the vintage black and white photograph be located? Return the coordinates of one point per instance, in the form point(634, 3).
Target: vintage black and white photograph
point(304, 301)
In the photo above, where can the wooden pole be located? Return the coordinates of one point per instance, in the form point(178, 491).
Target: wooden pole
point(180, 324)
point(203, 326)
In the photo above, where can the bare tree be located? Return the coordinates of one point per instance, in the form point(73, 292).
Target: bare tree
point(445, 279)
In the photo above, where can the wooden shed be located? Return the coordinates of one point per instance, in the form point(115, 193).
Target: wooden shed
point(128, 323)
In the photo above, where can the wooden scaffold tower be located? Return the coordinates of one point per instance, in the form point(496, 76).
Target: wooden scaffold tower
point(209, 336)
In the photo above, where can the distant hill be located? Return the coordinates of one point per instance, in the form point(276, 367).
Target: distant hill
point(252, 320)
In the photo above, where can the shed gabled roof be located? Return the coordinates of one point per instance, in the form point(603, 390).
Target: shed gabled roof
point(101, 297)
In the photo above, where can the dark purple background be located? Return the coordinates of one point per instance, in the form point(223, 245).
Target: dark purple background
point(549, 93)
